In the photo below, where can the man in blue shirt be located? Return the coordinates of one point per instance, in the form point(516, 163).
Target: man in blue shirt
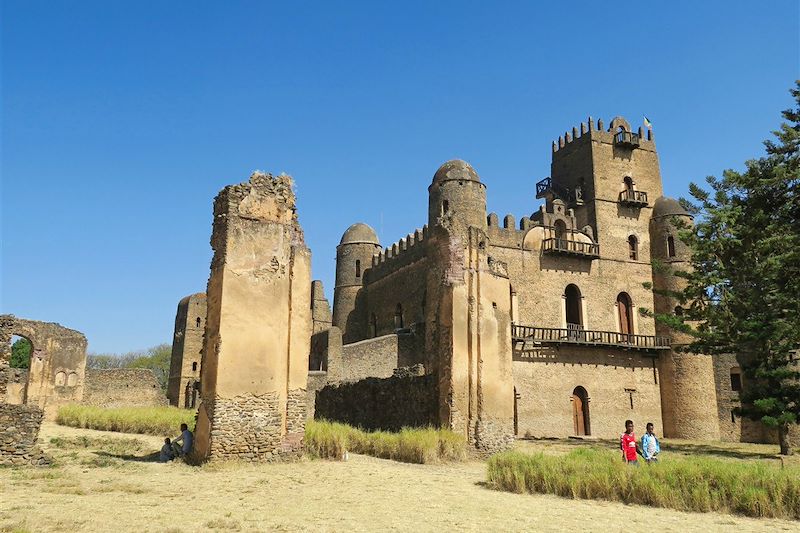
point(650, 445)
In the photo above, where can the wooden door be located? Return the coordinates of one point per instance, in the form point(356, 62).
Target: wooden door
point(577, 415)
point(624, 307)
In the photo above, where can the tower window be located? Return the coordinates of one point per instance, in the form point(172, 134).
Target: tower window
point(445, 206)
point(572, 297)
point(633, 247)
point(670, 246)
point(679, 311)
point(628, 183)
point(194, 367)
point(398, 317)
point(197, 322)
point(736, 379)
point(358, 268)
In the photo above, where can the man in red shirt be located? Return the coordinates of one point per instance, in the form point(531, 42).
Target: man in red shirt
point(628, 445)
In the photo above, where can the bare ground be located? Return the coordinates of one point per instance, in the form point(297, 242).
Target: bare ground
point(105, 481)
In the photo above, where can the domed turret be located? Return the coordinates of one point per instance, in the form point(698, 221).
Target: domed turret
point(457, 194)
point(353, 256)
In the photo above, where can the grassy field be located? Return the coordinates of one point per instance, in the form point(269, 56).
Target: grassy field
point(109, 481)
point(146, 420)
point(331, 440)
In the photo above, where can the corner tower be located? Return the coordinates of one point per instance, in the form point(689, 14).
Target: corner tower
point(456, 197)
point(353, 256)
point(688, 393)
point(187, 347)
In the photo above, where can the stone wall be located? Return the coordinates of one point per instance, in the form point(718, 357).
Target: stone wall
point(16, 382)
point(19, 428)
point(187, 345)
point(123, 387)
point(387, 404)
point(258, 327)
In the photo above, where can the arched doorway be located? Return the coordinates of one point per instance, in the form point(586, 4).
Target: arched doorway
point(574, 311)
point(560, 228)
point(625, 312)
point(20, 360)
point(580, 412)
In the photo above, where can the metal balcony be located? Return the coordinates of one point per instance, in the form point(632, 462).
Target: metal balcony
point(627, 139)
point(579, 336)
point(633, 198)
point(563, 246)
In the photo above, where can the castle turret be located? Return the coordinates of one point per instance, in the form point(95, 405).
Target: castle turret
point(353, 256)
point(688, 398)
point(458, 196)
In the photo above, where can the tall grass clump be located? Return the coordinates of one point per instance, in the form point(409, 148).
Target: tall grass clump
point(686, 484)
point(332, 440)
point(146, 420)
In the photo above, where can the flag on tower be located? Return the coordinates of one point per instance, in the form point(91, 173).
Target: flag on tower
point(647, 122)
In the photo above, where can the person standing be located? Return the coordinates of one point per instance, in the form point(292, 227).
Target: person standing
point(650, 445)
point(628, 445)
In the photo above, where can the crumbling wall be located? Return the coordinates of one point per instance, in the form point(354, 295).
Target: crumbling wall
point(388, 404)
point(58, 361)
point(258, 330)
point(123, 387)
point(19, 428)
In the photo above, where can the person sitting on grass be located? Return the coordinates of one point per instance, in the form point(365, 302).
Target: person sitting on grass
point(628, 445)
point(650, 445)
point(186, 439)
point(166, 454)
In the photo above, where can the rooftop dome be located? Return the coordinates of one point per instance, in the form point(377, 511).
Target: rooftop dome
point(666, 206)
point(456, 169)
point(359, 233)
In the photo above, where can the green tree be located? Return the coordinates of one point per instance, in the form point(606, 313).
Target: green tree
point(156, 359)
point(742, 291)
point(21, 353)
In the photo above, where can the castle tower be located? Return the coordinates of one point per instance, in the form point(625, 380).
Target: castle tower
point(258, 328)
point(353, 256)
point(187, 345)
point(688, 394)
point(457, 197)
point(610, 177)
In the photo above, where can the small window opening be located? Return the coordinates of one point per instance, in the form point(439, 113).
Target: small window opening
point(679, 311)
point(445, 206)
point(633, 247)
point(398, 317)
point(194, 367)
point(733, 416)
point(358, 268)
point(628, 183)
point(198, 322)
point(670, 246)
point(736, 379)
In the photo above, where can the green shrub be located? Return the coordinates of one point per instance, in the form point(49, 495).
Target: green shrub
point(686, 484)
point(331, 440)
point(147, 420)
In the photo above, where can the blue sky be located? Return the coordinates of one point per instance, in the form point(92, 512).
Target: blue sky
point(122, 120)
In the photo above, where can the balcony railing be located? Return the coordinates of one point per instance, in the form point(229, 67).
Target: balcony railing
point(633, 198)
point(569, 247)
point(627, 138)
point(577, 335)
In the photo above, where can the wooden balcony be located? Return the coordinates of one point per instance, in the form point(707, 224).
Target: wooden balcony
point(575, 334)
point(562, 246)
point(633, 198)
point(627, 139)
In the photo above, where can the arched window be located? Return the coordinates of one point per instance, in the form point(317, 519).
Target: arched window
point(374, 324)
point(580, 411)
point(61, 379)
point(572, 295)
point(625, 311)
point(72, 379)
point(358, 268)
point(560, 229)
point(198, 322)
point(398, 317)
point(194, 367)
point(628, 181)
point(633, 247)
point(670, 246)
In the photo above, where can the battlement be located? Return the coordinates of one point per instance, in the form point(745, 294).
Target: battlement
point(400, 246)
point(597, 130)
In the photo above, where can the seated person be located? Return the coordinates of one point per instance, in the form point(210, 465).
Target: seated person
point(166, 454)
point(186, 439)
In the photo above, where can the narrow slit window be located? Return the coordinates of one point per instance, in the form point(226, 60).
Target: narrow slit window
point(670, 246)
point(358, 268)
point(736, 379)
point(633, 247)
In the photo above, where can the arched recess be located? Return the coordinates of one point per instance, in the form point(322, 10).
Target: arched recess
point(398, 317)
point(560, 229)
point(628, 182)
point(574, 307)
point(633, 248)
point(580, 412)
point(625, 313)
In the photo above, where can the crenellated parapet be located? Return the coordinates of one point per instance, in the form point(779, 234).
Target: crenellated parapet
point(597, 130)
point(407, 250)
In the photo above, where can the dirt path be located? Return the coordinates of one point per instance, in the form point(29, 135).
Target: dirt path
point(94, 489)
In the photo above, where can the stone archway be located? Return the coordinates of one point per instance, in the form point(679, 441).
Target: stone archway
point(580, 412)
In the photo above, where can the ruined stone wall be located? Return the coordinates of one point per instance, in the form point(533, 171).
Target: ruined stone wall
point(187, 345)
point(58, 361)
point(259, 324)
point(317, 380)
point(377, 357)
point(19, 428)
point(16, 383)
point(320, 308)
point(123, 387)
point(388, 404)
point(545, 380)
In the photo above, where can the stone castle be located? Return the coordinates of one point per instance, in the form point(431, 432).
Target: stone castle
point(495, 330)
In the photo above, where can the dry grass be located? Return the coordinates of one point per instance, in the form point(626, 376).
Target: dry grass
point(361, 494)
point(145, 420)
point(332, 440)
point(685, 483)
